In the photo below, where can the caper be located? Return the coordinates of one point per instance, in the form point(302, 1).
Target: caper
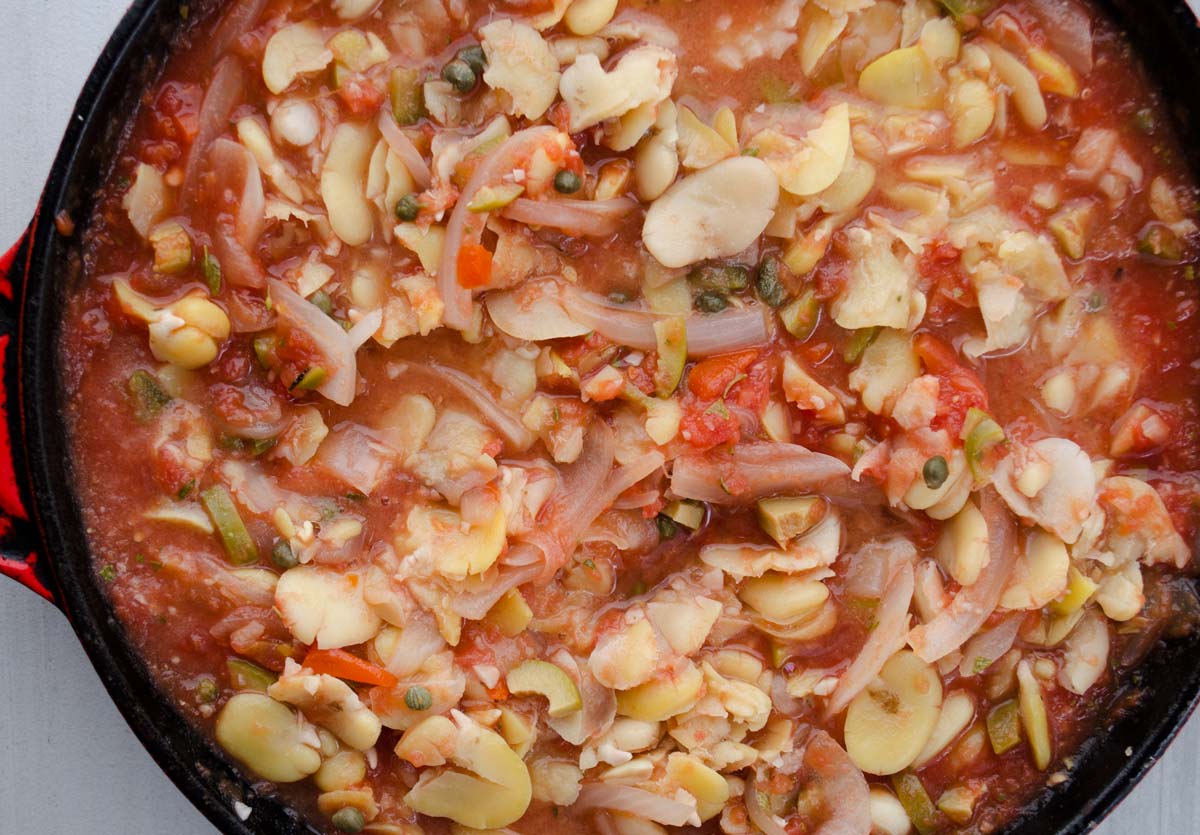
point(418, 698)
point(459, 75)
point(666, 526)
point(935, 472)
point(348, 819)
point(710, 301)
point(728, 278)
point(473, 57)
point(768, 283)
point(207, 690)
point(408, 207)
point(567, 182)
point(282, 556)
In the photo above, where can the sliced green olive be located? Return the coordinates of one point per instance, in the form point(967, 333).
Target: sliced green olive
point(981, 437)
point(172, 248)
point(685, 512)
point(671, 337)
point(494, 198)
point(407, 96)
point(239, 546)
point(910, 791)
point(246, 675)
point(801, 314)
point(859, 341)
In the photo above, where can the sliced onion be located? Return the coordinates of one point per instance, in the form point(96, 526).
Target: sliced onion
point(1068, 26)
point(233, 167)
point(465, 226)
point(888, 636)
point(590, 218)
point(337, 354)
point(437, 376)
point(987, 646)
point(847, 796)
point(665, 810)
point(757, 470)
point(599, 703)
point(236, 22)
point(766, 823)
point(357, 456)
point(476, 603)
point(223, 95)
point(402, 147)
point(874, 563)
point(974, 603)
point(733, 329)
point(533, 312)
point(365, 328)
point(205, 575)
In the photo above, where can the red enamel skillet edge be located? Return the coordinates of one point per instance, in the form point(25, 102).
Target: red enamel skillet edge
point(42, 542)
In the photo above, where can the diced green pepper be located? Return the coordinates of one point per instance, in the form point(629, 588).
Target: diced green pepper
point(149, 398)
point(666, 526)
point(230, 528)
point(246, 675)
point(801, 314)
point(407, 95)
point(982, 435)
point(172, 248)
point(859, 341)
point(322, 301)
point(910, 791)
point(1004, 726)
point(671, 336)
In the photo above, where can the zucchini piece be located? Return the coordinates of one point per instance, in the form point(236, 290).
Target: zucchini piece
point(671, 336)
point(172, 248)
point(786, 517)
point(230, 528)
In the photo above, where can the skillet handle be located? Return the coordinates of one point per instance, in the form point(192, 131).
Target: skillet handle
point(19, 539)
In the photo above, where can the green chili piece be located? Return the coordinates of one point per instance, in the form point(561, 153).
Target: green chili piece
point(407, 95)
point(984, 434)
point(149, 398)
point(230, 528)
point(910, 791)
point(859, 340)
point(671, 337)
point(1004, 726)
point(246, 675)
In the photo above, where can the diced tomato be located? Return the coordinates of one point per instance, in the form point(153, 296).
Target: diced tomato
point(709, 378)
point(341, 664)
point(960, 387)
point(708, 423)
point(474, 266)
point(360, 96)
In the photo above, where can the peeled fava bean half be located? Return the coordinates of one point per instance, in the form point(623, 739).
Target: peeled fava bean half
point(891, 720)
point(265, 736)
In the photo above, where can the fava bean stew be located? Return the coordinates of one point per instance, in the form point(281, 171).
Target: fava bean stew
point(749, 417)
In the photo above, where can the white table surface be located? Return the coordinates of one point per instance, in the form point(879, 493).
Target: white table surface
point(68, 763)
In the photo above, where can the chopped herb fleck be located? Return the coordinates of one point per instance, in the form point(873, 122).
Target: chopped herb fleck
point(108, 573)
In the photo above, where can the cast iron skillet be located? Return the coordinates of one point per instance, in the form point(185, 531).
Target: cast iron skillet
point(42, 535)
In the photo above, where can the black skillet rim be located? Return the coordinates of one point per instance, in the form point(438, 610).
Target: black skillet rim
point(1105, 775)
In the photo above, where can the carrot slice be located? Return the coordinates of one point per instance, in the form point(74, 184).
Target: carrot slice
point(341, 664)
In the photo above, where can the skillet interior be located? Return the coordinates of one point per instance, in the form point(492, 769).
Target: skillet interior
point(1163, 33)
